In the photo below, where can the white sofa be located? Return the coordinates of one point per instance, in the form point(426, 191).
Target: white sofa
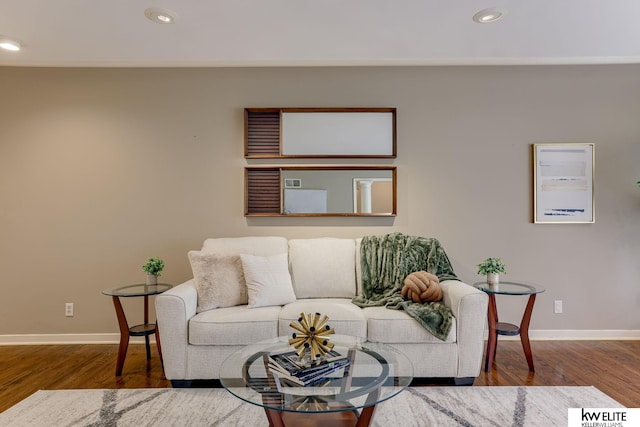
point(325, 275)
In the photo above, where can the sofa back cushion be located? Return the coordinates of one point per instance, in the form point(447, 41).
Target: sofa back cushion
point(323, 267)
point(257, 245)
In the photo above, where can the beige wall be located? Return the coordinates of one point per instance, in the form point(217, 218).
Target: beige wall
point(102, 168)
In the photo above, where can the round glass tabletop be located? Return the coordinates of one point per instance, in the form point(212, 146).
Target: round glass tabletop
point(137, 290)
point(509, 288)
point(375, 372)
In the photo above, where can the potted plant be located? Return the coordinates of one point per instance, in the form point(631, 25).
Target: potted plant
point(492, 267)
point(153, 267)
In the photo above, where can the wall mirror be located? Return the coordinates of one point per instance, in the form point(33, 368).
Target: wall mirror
point(320, 132)
point(320, 191)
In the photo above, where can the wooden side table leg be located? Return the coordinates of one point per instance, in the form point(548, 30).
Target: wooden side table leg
point(524, 331)
point(492, 342)
point(124, 335)
point(146, 322)
point(147, 346)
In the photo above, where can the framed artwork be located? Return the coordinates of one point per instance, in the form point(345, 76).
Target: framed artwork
point(563, 183)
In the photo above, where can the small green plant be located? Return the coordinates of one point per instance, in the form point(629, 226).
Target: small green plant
point(491, 266)
point(153, 266)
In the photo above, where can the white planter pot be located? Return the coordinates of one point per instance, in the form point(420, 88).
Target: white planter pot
point(493, 278)
point(152, 279)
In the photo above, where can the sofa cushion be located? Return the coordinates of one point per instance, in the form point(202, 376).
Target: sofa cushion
point(268, 280)
point(345, 317)
point(219, 280)
point(323, 268)
point(396, 326)
point(238, 325)
point(262, 246)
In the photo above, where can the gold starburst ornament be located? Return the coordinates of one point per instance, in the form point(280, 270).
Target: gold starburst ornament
point(312, 335)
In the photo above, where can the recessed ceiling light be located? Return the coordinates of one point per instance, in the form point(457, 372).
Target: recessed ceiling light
point(492, 14)
point(9, 44)
point(160, 16)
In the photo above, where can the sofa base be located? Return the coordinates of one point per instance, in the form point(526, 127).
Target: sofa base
point(442, 381)
point(416, 382)
point(464, 381)
point(196, 384)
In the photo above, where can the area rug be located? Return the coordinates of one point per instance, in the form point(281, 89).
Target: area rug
point(415, 406)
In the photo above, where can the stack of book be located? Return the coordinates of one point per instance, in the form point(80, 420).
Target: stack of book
point(289, 367)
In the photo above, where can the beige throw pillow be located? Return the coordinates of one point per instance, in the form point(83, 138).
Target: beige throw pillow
point(268, 280)
point(219, 280)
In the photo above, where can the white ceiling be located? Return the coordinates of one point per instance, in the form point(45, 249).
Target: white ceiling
point(115, 33)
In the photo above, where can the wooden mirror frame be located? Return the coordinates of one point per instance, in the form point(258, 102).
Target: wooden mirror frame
point(264, 129)
point(264, 190)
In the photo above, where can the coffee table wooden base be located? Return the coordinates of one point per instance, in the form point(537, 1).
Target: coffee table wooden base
point(321, 419)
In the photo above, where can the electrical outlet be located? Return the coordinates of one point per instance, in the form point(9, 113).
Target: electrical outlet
point(557, 306)
point(68, 309)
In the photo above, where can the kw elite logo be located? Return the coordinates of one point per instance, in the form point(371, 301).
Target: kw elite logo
point(604, 417)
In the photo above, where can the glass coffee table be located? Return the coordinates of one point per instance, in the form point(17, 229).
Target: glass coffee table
point(347, 397)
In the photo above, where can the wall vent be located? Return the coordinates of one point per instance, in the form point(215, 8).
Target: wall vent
point(292, 183)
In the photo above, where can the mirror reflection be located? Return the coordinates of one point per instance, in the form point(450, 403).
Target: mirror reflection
point(373, 195)
point(338, 191)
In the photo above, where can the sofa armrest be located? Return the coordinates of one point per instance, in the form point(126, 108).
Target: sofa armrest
point(469, 306)
point(174, 308)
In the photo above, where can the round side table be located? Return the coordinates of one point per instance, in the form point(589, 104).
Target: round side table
point(500, 328)
point(144, 330)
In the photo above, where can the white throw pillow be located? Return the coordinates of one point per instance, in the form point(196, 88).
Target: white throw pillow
point(268, 280)
point(219, 280)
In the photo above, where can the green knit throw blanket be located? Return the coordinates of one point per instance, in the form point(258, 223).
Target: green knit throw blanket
point(386, 261)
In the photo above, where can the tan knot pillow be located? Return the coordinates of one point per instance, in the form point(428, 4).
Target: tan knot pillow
point(421, 286)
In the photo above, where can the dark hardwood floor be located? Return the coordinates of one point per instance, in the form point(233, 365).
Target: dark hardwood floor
point(611, 366)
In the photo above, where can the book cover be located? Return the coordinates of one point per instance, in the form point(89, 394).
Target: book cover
point(291, 364)
point(310, 377)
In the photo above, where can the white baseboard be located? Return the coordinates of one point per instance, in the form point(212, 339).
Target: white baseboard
point(42, 339)
point(576, 334)
point(534, 335)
